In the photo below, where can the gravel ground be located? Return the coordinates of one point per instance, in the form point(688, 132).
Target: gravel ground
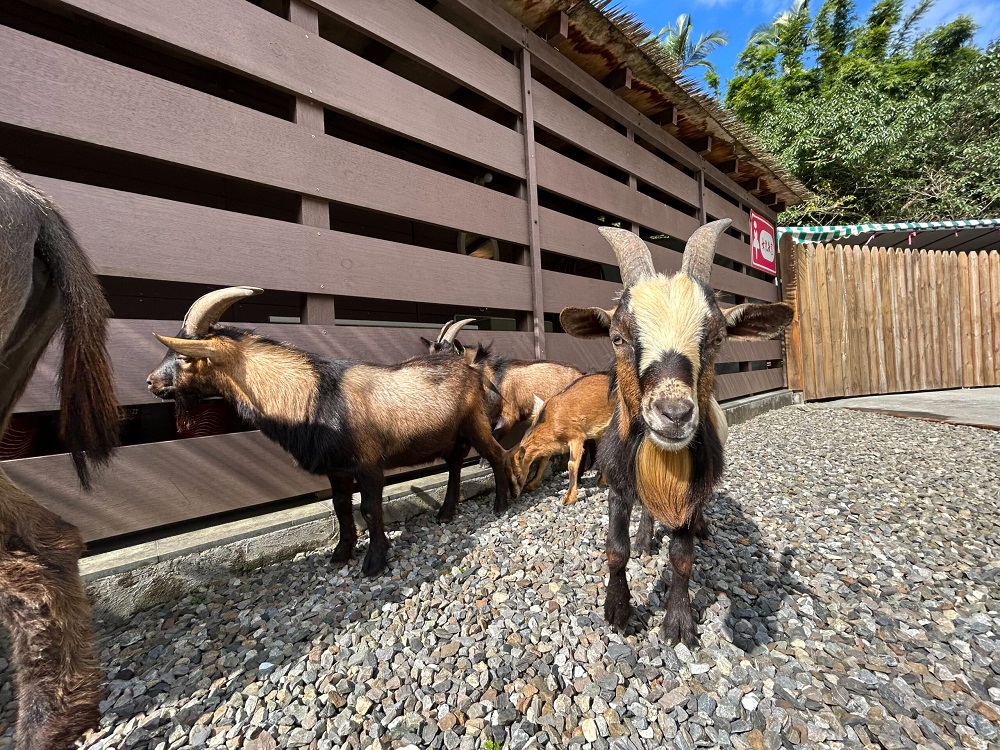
point(847, 597)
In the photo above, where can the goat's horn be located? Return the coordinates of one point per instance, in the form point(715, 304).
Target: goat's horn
point(633, 255)
point(455, 328)
point(700, 250)
point(208, 308)
point(443, 331)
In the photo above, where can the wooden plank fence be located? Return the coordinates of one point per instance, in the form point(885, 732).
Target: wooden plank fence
point(877, 320)
point(334, 153)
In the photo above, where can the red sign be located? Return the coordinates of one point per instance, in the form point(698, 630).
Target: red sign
point(763, 245)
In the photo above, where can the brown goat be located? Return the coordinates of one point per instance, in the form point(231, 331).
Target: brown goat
point(665, 446)
point(347, 420)
point(45, 281)
point(578, 413)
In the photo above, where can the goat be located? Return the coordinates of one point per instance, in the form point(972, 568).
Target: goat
point(46, 280)
point(344, 419)
point(511, 385)
point(665, 445)
point(578, 413)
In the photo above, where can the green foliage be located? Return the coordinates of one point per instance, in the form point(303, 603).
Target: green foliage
point(883, 124)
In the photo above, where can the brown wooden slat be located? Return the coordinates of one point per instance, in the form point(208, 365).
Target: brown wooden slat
point(986, 303)
point(571, 236)
point(134, 352)
point(740, 384)
point(976, 322)
point(838, 321)
point(719, 208)
point(933, 297)
point(408, 26)
point(956, 316)
point(878, 322)
point(561, 290)
point(915, 310)
point(866, 292)
point(790, 295)
point(162, 483)
point(827, 385)
point(559, 116)
point(809, 317)
point(965, 300)
point(60, 91)
point(849, 300)
point(184, 242)
point(236, 34)
point(995, 312)
point(899, 306)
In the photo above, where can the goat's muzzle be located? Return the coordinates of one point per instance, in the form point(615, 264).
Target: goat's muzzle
point(671, 420)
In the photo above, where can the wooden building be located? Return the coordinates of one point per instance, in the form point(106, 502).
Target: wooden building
point(356, 160)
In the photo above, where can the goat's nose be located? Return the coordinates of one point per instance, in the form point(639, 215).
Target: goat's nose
point(149, 381)
point(677, 412)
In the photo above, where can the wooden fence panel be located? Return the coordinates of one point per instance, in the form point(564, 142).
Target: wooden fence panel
point(892, 320)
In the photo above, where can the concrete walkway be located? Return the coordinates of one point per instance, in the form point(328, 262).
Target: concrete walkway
point(979, 407)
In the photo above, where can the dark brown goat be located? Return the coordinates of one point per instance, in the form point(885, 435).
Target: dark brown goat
point(45, 281)
point(347, 420)
point(580, 412)
point(664, 447)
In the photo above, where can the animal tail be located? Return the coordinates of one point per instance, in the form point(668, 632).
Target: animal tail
point(89, 423)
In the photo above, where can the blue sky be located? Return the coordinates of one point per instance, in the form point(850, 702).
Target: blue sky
point(738, 18)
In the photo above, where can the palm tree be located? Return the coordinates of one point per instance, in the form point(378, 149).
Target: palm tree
point(676, 42)
point(788, 35)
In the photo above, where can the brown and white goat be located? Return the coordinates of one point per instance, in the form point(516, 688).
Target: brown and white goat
point(510, 385)
point(580, 412)
point(45, 281)
point(344, 419)
point(664, 448)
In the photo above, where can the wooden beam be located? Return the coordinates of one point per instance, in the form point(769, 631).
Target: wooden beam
point(619, 80)
point(777, 207)
point(730, 167)
point(768, 198)
point(701, 145)
point(555, 28)
point(530, 188)
point(752, 185)
point(667, 118)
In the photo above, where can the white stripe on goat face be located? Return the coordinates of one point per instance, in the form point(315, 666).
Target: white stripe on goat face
point(670, 313)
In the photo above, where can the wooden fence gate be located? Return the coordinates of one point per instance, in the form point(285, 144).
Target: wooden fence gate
point(876, 320)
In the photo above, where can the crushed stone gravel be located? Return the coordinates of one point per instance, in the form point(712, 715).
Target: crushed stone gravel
point(847, 597)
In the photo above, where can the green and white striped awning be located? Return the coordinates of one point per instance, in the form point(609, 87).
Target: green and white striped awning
point(966, 234)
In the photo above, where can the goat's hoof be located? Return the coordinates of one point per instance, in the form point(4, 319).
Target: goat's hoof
point(342, 553)
point(373, 565)
point(678, 627)
point(445, 515)
point(641, 546)
point(569, 500)
point(617, 612)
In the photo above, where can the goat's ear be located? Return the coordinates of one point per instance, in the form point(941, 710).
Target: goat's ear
point(758, 321)
point(213, 349)
point(536, 410)
point(426, 342)
point(585, 322)
point(459, 346)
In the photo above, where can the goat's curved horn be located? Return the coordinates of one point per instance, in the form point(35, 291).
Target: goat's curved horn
point(443, 331)
point(208, 308)
point(633, 255)
point(700, 250)
point(455, 328)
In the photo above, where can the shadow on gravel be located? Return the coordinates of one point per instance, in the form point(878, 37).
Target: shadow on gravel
point(734, 564)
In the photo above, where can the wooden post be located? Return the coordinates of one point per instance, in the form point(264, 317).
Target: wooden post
point(530, 193)
point(702, 213)
point(789, 293)
point(317, 308)
point(633, 182)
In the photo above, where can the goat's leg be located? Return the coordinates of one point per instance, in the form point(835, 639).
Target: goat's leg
point(481, 439)
point(644, 534)
point(678, 624)
point(538, 476)
point(371, 483)
point(45, 608)
point(575, 457)
point(454, 460)
point(589, 456)
point(617, 603)
point(343, 487)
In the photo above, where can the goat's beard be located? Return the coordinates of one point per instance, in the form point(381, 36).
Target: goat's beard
point(183, 406)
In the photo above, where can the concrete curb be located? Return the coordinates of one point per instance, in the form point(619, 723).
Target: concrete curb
point(125, 581)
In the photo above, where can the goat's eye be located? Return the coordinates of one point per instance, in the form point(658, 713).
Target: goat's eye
point(617, 340)
point(719, 339)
